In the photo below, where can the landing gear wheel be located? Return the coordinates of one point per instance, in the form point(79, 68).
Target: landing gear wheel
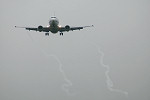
point(61, 33)
point(46, 34)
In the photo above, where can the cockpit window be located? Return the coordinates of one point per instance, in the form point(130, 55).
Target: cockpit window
point(53, 17)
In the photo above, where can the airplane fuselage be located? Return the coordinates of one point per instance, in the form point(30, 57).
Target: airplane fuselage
point(54, 22)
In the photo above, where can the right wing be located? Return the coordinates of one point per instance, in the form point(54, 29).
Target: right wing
point(40, 28)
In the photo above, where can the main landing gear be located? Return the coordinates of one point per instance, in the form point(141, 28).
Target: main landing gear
point(46, 34)
point(61, 33)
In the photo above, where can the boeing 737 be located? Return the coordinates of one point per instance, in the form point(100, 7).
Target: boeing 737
point(53, 27)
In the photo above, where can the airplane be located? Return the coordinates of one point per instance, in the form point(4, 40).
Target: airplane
point(53, 27)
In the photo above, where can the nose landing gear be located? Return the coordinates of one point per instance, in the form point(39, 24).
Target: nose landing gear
point(46, 34)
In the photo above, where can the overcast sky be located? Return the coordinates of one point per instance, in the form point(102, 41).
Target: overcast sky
point(107, 62)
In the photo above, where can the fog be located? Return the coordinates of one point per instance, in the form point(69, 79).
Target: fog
point(109, 61)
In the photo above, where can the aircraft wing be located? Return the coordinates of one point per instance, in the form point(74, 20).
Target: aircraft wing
point(40, 28)
point(68, 28)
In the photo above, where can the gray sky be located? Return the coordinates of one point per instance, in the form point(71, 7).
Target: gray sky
point(107, 62)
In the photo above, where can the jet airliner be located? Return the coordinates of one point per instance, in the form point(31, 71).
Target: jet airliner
point(53, 27)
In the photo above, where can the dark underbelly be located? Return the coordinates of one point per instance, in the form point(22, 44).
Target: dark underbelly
point(54, 29)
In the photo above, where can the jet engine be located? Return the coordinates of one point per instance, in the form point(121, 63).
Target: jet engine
point(40, 28)
point(67, 27)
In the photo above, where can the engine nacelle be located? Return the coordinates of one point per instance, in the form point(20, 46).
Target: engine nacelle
point(40, 28)
point(67, 27)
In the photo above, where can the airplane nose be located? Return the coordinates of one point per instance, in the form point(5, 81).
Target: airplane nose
point(53, 21)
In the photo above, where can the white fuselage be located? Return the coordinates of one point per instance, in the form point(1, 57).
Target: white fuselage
point(54, 24)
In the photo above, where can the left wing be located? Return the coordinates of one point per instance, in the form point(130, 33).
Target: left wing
point(68, 28)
